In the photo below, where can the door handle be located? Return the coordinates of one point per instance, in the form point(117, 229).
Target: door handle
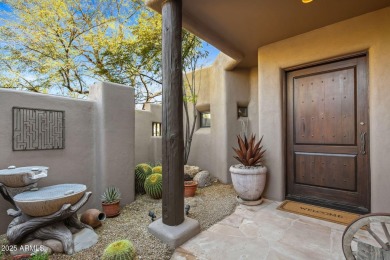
point(363, 142)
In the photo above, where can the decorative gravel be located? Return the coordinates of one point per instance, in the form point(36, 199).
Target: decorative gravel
point(210, 205)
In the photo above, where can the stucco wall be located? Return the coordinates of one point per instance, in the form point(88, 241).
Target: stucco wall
point(369, 32)
point(99, 140)
point(148, 148)
point(221, 92)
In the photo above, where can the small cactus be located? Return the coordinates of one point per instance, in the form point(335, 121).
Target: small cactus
point(142, 171)
point(153, 186)
point(157, 169)
point(119, 250)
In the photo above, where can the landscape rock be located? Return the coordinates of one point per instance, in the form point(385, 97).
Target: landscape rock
point(191, 170)
point(203, 178)
point(84, 239)
point(55, 245)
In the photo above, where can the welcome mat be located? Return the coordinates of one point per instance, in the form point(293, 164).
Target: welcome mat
point(332, 215)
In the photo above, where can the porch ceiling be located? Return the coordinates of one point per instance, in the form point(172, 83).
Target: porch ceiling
point(238, 28)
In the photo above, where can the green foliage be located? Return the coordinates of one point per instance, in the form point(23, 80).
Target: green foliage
point(153, 186)
point(157, 169)
point(249, 153)
point(39, 256)
point(119, 250)
point(111, 195)
point(61, 46)
point(142, 171)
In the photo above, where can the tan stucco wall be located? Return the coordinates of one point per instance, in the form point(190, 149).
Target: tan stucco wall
point(148, 148)
point(369, 32)
point(99, 141)
point(221, 91)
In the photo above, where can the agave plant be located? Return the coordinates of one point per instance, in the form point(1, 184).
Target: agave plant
point(249, 153)
point(111, 195)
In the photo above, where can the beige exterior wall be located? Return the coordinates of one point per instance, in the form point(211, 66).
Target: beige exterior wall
point(99, 141)
point(369, 32)
point(220, 93)
point(148, 148)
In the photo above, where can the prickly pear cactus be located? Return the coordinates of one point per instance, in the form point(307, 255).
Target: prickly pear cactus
point(142, 171)
point(119, 250)
point(153, 186)
point(157, 169)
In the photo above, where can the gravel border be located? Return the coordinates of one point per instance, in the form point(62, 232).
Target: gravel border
point(210, 205)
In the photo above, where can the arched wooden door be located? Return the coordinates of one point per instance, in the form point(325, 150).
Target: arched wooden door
point(327, 135)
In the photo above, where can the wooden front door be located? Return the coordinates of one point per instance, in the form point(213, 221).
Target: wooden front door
point(327, 135)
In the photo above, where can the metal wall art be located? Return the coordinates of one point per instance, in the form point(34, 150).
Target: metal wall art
point(37, 129)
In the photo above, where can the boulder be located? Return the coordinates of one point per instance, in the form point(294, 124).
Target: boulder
point(191, 170)
point(55, 245)
point(84, 239)
point(203, 178)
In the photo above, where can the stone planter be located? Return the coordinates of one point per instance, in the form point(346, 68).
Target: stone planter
point(248, 182)
point(190, 188)
point(111, 209)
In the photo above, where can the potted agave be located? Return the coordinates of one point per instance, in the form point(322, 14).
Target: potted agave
point(110, 202)
point(249, 176)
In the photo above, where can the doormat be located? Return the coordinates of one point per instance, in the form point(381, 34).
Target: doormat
point(331, 215)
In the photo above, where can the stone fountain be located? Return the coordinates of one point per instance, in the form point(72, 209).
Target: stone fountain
point(43, 214)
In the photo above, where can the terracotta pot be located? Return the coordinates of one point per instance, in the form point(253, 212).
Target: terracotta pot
point(111, 209)
point(249, 183)
point(190, 188)
point(93, 218)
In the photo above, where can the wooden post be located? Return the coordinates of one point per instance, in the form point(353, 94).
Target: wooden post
point(172, 120)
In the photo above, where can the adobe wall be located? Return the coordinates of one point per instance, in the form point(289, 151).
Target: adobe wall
point(369, 32)
point(99, 140)
point(148, 148)
point(220, 93)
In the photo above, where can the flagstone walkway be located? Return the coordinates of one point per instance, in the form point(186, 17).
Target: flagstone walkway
point(263, 232)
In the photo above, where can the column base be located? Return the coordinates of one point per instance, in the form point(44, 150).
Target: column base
point(174, 236)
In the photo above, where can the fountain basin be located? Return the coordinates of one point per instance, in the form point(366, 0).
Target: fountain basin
point(48, 200)
point(20, 177)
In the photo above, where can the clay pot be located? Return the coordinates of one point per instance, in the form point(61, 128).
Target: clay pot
point(190, 188)
point(93, 218)
point(111, 209)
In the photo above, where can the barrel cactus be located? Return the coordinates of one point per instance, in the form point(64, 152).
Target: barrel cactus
point(142, 171)
point(157, 169)
point(153, 186)
point(119, 250)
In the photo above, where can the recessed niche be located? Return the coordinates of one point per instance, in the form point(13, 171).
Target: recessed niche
point(242, 111)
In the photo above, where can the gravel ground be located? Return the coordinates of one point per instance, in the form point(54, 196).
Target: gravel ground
point(210, 205)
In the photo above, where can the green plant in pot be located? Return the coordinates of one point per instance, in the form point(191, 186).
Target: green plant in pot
point(110, 202)
point(249, 176)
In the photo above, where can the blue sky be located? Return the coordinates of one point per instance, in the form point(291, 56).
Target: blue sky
point(213, 52)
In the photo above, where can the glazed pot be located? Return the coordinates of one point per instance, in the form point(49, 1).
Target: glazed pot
point(190, 188)
point(111, 209)
point(93, 218)
point(248, 182)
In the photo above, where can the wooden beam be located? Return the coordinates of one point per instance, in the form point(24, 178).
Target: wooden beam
point(172, 121)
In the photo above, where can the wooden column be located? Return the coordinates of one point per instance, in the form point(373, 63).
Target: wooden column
point(172, 121)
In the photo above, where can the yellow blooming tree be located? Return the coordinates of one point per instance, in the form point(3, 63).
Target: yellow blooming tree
point(64, 45)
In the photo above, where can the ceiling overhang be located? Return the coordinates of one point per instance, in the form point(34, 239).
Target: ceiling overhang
point(238, 28)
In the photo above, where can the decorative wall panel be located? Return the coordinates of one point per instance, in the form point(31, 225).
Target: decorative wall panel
point(37, 129)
